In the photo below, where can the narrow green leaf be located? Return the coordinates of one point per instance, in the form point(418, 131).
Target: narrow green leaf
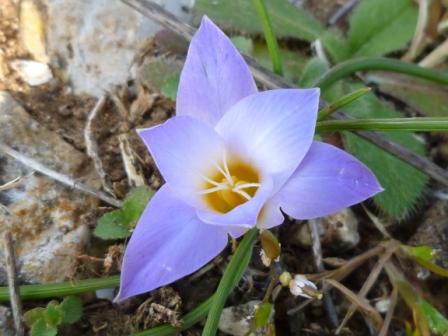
point(423, 252)
point(350, 67)
point(378, 27)
point(37, 292)
point(72, 309)
point(419, 124)
point(134, 204)
point(436, 321)
point(424, 96)
point(110, 226)
point(234, 271)
point(341, 102)
point(269, 36)
point(41, 328)
point(430, 266)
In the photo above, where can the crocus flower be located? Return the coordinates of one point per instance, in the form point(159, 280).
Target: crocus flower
point(232, 157)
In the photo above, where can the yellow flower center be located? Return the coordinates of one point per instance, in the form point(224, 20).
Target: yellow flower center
point(230, 184)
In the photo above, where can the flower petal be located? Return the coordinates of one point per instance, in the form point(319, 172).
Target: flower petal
point(169, 243)
point(271, 215)
point(215, 76)
point(273, 128)
point(184, 149)
point(328, 180)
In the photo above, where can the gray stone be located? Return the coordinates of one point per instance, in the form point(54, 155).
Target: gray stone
point(237, 320)
point(44, 216)
point(6, 322)
point(336, 231)
point(94, 42)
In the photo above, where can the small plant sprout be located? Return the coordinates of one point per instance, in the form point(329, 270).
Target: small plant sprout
point(232, 157)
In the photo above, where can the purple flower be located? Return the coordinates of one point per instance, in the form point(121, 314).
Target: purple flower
point(232, 158)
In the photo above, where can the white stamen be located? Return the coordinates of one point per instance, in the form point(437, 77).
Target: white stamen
point(242, 193)
point(246, 185)
point(226, 168)
point(205, 178)
point(214, 189)
point(226, 176)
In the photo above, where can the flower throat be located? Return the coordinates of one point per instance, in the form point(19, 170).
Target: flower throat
point(229, 185)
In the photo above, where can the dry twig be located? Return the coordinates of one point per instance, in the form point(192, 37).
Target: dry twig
point(92, 145)
point(67, 180)
point(317, 253)
point(390, 312)
point(16, 303)
point(342, 12)
point(373, 276)
point(131, 165)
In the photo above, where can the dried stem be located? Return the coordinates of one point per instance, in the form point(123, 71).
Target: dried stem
point(317, 253)
point(390, 313)
point(269, 79)
point(342, 12)
point(16, 303)
point(131, 166)
point(92, 145)
point(67, 180)
point(373, 276)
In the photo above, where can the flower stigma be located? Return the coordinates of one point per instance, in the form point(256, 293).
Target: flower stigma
point(229, 184)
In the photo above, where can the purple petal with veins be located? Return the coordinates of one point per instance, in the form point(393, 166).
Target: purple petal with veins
point(232, 159)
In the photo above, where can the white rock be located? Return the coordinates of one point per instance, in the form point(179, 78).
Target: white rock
point(105, 293)
point(236, 320)
point(46, 221)
point(97, 40)
point(6, 322)
point(32, 72)
point(336, 231)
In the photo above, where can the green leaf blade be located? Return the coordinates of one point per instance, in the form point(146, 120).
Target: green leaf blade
point(403, 183)
point(436, 321)
point(378, 27)
point(287, 20)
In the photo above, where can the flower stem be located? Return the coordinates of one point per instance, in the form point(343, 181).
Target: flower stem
point(269, 35)
point(34, 292)
point(345, 100)
point(229, 280)
point(349, 67)
point(423, 124)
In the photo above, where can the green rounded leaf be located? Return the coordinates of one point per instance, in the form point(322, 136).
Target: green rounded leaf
point(110, 226)
point(31, 316)
point(42, 328)
point(134, 204)
point(71, 309)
